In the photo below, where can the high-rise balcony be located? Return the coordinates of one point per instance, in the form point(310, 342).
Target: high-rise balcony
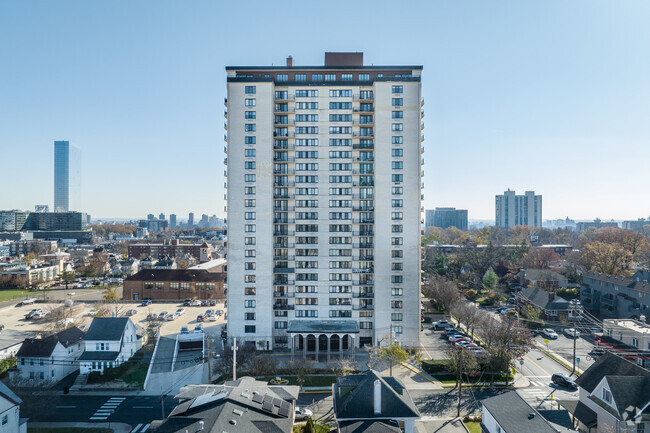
point(368, 270)
point(283, 270)
point(363, 294)
point(363, 182)
point(363, 233)
point(283, 307)
point(283, 295)
point(363, 307)
point(363, 258)
point(358, 146)
point(366, 220)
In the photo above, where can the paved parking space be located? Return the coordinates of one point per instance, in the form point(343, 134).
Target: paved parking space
point(563, 346)
point(13, 316)
point(434, 343)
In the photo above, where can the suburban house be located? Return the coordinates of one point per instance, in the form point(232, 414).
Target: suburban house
point(244, 405)
point(126, 267)
point(510, 413)
point(608, 296)
point(628, 338)
point(544, 278)
point(614, 397)
point(109, 342)
point(10, 420)
point(553, 307)
point(11, 340)
point(175, 284)
point(49, 359)
point(368, 402)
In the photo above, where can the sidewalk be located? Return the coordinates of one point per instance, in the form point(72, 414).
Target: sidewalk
point(117, 427)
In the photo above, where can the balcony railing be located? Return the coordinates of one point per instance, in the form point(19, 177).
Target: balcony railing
point(363, 295)
point(363, 183)
point(363, 233)
point(363, 307)
point(363, 220)
point(363, 283)
point(362, 258)
point(362, 146)
point(283, 307)
point(283, 295)
point(283, 270)
point(363, 270)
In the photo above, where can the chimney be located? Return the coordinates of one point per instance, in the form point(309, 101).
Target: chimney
point(551, 296)
point(201, 423)
point(377, 397)
point(289, 62)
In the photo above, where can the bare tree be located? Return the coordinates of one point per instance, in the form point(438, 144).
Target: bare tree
point(441, 291)
point(343, 367)
point(466, 314)
point(263, 365)
point(301, 369)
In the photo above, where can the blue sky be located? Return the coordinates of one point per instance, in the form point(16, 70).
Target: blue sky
point(549, 95)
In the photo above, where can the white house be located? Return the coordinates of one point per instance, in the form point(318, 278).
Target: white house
point(110, 341)
point(10, 421)
point(49, 359)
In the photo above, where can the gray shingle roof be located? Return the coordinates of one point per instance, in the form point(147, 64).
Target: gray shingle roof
point(43, 347)
point(542, 299)
point(353, 398)
point(608, 365)
point(98, 356)
point(323, 326)
point(512, 413)
point(368, 427)
point(106, 328)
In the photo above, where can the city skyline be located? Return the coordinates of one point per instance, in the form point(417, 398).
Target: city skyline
point(548, 103)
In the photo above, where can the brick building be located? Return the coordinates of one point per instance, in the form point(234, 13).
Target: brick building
point(201, 252)
point(172, 284)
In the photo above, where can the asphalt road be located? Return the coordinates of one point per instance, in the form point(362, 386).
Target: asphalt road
point(132, 410)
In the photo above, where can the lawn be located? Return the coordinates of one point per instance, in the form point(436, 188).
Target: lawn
point(69, 430)
point(311, 380)
point(451, 378)
point(133, 372)
point(473, 426)
point(9, 294)
point(318, 428)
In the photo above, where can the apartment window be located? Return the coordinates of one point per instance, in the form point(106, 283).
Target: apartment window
point(249, 102)
point(249, 303)
point(249, 266)
point(396, 304)
point(365, 325)
point(306, 129)
point(250, 90)
point(340, 142)
point(607, 396)
point(249, 190)
point(174, 285)
point(396, 228)
point(249, 140)
point(249, 165)
point(397, 177)
point(397, 254)
point(398, 114)
point(397, 202)
point(301, 77)
point(397, 190)
point(398, 127)
point(249, 152)
point(396, 317)
point(398, 102)
point(365, 107)
point(307, 141)
point(249, 291)
point(635, 342)
point(396, 152)
point(340, 154)
point(5, 418)
point(306, 93)
point(397, 165)
point(249, 177)
point(340, 105)
point(250, 115)
point(185, 286)
point(340, 93)
point(364, 77)
point(396, 291)
point(249, 253)
point(317, 77)
point(250, 215)
point(282, 77)
point(249, 241)
point(340, 118)
point(398, 89)
point(281, 325)
point(307, 117)
point(330, 77)
point(346, 77)
point(397, 329)
point(249, 316)
point(398, 140)
point(249, 329)
point(306, 105)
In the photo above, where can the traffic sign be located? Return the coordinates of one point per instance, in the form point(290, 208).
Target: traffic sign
point(578, 360)
point(546, 341)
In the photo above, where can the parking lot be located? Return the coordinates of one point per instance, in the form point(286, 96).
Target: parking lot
point(13, 317)
point(563, 346)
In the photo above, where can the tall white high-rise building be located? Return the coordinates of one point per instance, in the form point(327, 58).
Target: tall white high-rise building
point(324, 203)
point(67, 177)
point(518, 210)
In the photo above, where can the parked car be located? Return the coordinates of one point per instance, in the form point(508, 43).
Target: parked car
point(303, 413)
point(204, 303)
point(162, 315)
point(213, 302)
point(200, 318)
point(442, 324)
point(180, 311)
point(219, 313)
point(146, 303)
point(550, 334)
point(505, 311)
point(511, 300)
point(212, 318)
point(564, 380)
point(39, 315)
point(185, 330)
point(208, 313)
point(195, 303)
point(187, 302)
point(31, 313)
point(28, 301)
point(198, 328)
point(172, 316)
point(152, 316)
point(131, 312)
point(572, 333)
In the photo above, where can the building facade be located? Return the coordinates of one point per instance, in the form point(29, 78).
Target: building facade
point(201, 252)
point(595, 224)
point(445, 217)
point(320, 159)
point(174, 284)
point(67, 176)
point(518, 210)
point(13, 220)
point(613, 297)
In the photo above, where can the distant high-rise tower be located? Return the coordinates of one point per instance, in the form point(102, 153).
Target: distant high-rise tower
point(161, 216)
point(190, 220)
point(67, 177)
point(150, 216)
point(172, 220)
point(518, 210)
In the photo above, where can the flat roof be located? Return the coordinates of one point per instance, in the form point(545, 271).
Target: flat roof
point(300, 68)
point(323, 326)
point(632, 325)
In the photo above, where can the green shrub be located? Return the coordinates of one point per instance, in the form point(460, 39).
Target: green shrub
point(433, 366)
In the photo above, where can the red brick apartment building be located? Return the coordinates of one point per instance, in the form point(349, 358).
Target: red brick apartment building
point(174, 284)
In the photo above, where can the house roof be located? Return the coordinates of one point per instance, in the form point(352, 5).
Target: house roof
point(374, 426)
point(542, 299)
point(558, 417)
point(98, 355)
point(43, 347)
point(581, 411)
point(9, 394)
point(241, 401)
point(541, 275)
point(608, 365)
point(632, 283)
point(513, 414)
point(323, 326)
point(200, 275)
point(353, 398)
point(107, 328)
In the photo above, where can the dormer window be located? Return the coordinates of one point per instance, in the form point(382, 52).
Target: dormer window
point(607, 396)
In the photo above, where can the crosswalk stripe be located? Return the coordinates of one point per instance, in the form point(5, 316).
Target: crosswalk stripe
point(98, 417)
point(135, 430)
point(144, 429)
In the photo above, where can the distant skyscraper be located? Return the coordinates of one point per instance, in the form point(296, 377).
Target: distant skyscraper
point(161, 216)
point(41, 208)
point(172, 220)
point(204, 221)
point(67, 177)
point(518, 210)
point(445, 217)
point(151, 216)
point(190, 220)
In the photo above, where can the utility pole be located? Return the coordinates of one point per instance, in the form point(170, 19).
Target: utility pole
point(508, 347)
point(460, 379)
point(207, 340)
point(234, 359)
point(573, 314)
